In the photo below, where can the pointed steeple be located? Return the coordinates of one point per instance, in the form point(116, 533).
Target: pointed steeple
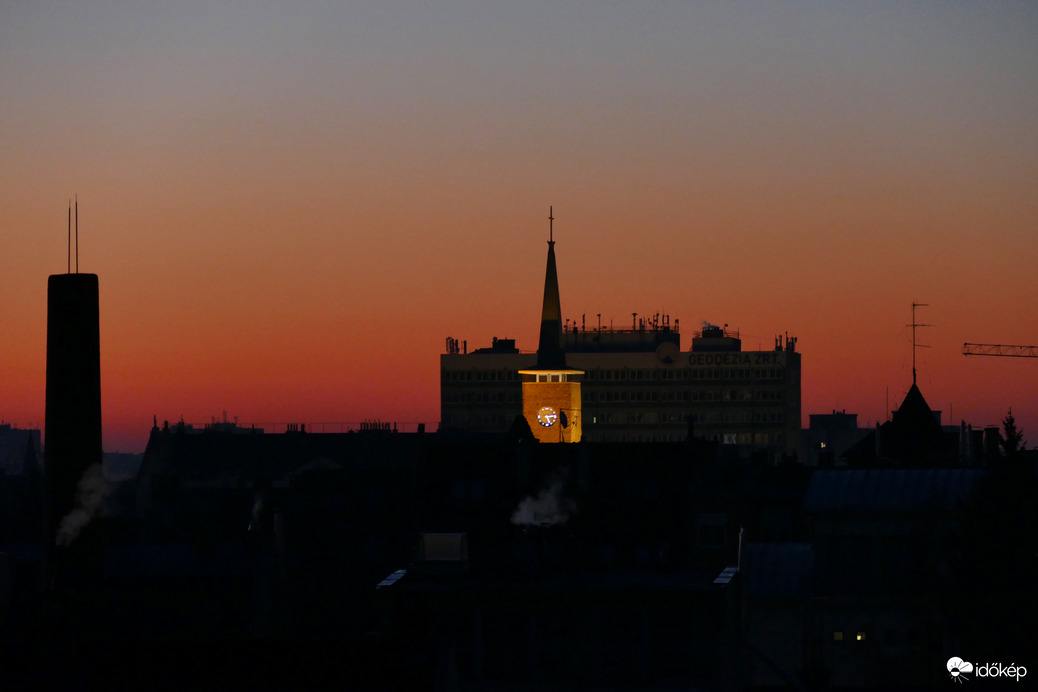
point(550, 353)
point(915, 413)
point(551, 391)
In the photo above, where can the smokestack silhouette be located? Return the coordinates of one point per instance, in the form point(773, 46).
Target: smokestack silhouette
point(73, 409)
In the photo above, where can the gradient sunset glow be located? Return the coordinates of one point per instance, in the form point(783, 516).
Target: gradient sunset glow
point(290, 206)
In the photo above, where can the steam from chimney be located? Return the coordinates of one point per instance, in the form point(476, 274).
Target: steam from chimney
point(549, 508)
point(257, 511)
point(91, 493)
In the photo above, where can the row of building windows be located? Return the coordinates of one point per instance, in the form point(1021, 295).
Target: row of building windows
point(644, 437)
point(686, 374)
point(593, 419)
point(772, 418)
point(759, 439)
point(756, 438)
point(625, 396)
point(770, 395)
point(480, 376)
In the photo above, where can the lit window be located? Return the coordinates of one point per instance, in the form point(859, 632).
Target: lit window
point(861, 636)
point(838, 636)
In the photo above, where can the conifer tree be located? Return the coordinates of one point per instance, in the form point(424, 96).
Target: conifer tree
point(1012, 438)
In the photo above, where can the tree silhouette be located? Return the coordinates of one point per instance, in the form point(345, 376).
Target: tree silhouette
point(1012, 438)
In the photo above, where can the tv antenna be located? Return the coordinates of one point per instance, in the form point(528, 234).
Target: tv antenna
point(69, 254)
point(915, 344)
point(551, 222)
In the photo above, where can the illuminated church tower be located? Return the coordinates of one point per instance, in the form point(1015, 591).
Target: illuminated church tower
point(551, 391)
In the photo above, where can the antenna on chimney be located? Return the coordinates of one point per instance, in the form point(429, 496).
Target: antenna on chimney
point(77, 233)
point(68, 253)
point(551, 221)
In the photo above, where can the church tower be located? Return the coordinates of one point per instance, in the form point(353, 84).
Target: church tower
point(551, 391)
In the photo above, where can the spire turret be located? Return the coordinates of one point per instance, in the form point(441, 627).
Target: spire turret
point(550, 353)
point(551, 391)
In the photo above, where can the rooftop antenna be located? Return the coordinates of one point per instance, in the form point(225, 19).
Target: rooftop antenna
point(68, 254)
point(551, 221)
point(77, 233)
point(916, 345)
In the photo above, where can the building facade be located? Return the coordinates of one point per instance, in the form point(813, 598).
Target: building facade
point(639, 385)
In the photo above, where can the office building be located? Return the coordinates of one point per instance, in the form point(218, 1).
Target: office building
point(639, 386)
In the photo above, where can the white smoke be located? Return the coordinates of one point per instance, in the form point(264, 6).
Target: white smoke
point(549, 508)
point(257, 511)
point(91, 493)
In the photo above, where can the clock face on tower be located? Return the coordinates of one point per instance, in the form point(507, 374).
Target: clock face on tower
point(547, 416)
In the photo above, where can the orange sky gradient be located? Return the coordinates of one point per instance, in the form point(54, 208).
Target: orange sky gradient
point(290, 207)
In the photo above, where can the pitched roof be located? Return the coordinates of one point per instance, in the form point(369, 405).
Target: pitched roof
point(913, 437)
point(834, 490)
point(916, 413)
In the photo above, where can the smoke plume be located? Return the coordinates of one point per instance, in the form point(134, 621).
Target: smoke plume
point(549, 508)
point(91, 493)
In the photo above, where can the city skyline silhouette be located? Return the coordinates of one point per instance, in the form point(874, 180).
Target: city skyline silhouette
point(289, 212)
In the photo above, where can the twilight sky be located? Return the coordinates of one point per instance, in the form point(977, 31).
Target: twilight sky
point(290, 205)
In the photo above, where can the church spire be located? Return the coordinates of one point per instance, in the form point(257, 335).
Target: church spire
point(550, 353)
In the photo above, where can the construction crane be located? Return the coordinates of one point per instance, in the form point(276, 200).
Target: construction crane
point(969, 349)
